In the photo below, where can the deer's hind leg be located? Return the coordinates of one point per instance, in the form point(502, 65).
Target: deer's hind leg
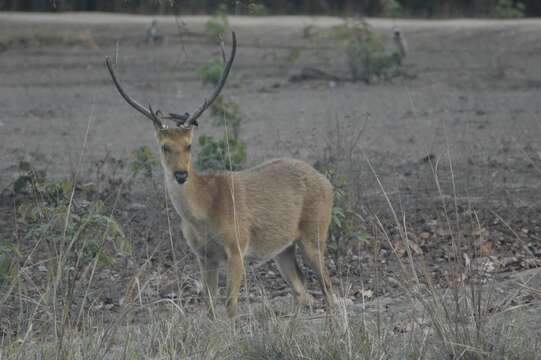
point(287, 263)
point(314, 245)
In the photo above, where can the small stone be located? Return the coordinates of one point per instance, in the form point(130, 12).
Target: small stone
point(170, 295)
point(198, 286)
point(367, 293)
point(510, 261)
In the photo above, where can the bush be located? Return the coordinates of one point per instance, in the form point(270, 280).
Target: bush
point(508, 9)
point(225, 154)
point(345, 227)
point(228, 153)
point(365, 52)
point(69, 224)
point(391, 8)
point(143, 161)
point(211, 72)
point(218, 25)
point(226, 112)
point(257, 9)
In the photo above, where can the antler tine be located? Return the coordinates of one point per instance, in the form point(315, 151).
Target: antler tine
point(192, 120)
point(149, 113)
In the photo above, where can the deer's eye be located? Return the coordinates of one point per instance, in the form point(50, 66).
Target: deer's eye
point(166, 148)
point(189, 147)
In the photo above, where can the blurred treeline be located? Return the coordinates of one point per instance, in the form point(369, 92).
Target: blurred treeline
point(418, 8)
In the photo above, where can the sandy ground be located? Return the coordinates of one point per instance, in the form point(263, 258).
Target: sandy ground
point(471, 103)
point(476, 90)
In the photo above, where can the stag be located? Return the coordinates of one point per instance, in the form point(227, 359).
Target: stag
point(260, 214)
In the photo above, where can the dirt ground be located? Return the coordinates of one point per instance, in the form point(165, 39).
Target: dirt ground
point(467, 115)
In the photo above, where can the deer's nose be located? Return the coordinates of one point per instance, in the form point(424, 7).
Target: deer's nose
point(181, 176)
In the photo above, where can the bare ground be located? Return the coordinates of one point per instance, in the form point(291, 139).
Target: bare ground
point(455, 144)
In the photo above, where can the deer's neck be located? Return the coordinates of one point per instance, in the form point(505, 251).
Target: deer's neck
point(193, 199)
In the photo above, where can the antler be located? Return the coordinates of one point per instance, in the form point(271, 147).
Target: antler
point(190, 120)
point(181, 119)
point(149, 113)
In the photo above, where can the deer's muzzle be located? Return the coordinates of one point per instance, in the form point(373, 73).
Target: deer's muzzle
point(181, 176)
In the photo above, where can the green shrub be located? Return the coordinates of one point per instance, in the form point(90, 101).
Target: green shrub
point(211, 72)
point(365, 52)
point(345, 227)
point(228, 153)
point(508, 9)
point(73, 228)
point(391, 8)
point(226, 112)
point(225, 154)
point(257, 9)
point(143, 161)
point(218, 25)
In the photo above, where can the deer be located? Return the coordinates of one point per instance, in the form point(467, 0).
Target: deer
point(229, 217)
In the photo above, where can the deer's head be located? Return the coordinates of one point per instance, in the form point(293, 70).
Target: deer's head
point(176, 142)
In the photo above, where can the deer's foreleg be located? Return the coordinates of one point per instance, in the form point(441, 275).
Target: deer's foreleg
point(209, 274)
point(235, 273)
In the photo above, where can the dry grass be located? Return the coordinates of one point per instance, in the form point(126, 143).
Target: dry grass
point(55, 320)
point(453, 323)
